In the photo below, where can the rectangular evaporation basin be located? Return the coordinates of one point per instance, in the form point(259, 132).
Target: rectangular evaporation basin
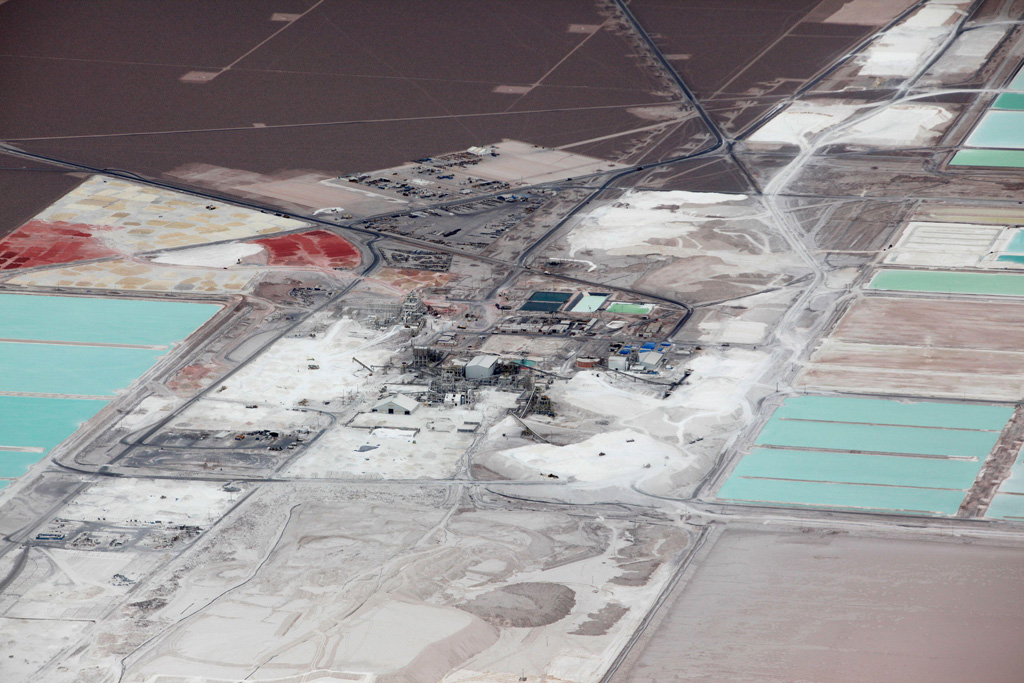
point(1010, 100)
point(992, 284)
point(888, 412)
point(1006, 506)
point(1000, 129)
point(33, 422)
point(1015, 482)
point(629, 309)
point(14, 465)
point(842, 496)
point(877, 438)
point(992, 158)
point(543, 306)
point(1016, 245)
point(1018, 82)
point(77, 370)
point(100, 321)
point(855, 468)
point(560, 297)
point(590, 303)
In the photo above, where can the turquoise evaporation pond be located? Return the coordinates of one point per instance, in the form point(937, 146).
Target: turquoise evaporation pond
point(858, 468)
point(887, 412)
point(1016, 245)
point(993, 284)
point(877, 438)
point(38, 423)
point(1003, 129)
point(102, 321)
point(994, 158)
point(1015, 482)
point(589, 303)
point(1009, 100)
point(848, 496)
point(30, 426)
point(1006, 506)
point(59, 369)
point(1018, 82)
point(956, 438)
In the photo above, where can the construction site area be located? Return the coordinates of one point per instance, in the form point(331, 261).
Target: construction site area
point(571, 350)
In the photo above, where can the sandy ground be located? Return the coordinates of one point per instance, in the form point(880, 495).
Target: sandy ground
point(749, 320)
point(937, 322)
point(426, 444)
point(830, 609)
point(139, 501)
point(867, 12)
point(904, 48)
point(698, 245)
point(945, 244)
point(218, 414)
point(926, 347)
point(801, 121)
point(132, 218)
point(127, 275)
point(901, 125)
point(968, 54)
point(282, 374)
point(661, 444)
point(404, 588)
point(150, 410)
point(214, 256)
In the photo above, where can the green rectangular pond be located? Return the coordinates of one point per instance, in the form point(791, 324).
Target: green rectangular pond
point(842, 496)
point(994, 158)
point(1006, 506)
point(920, 456)
point(85, 370)
point(103, 321)
point(35, 422)
point(1002, 129)
point(889, 412)
point(1016, 244)
point(32, 425)
point(1009, 100)
point(629, 309)
point(1018, 82)
point(947, 282)
point(590, 303)
point(877, 438)
point(857, 468)
point(1014, 483)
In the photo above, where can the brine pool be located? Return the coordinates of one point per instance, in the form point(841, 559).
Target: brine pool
point(62, 359)
point(868, 454)
point(948, 282)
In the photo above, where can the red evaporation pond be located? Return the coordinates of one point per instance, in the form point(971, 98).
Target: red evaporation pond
point(46, 243)
point(318, 248)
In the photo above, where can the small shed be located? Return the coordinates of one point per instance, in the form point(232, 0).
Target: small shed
point(396, 405)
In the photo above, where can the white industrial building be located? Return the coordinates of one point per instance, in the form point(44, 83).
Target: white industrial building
point(617, 362)
point(481, 367)
point(649, 360)
point(396, 405)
